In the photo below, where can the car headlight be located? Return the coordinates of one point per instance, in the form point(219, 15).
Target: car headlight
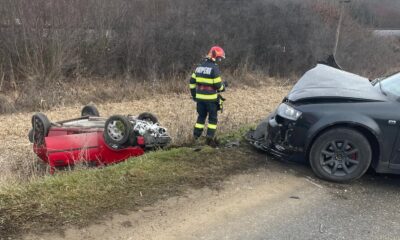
point(288, 112)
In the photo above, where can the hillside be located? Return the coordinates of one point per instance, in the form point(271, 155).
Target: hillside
point(48, 48)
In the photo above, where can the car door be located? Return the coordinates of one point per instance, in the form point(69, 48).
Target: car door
point(390, 87)
point(395, 156)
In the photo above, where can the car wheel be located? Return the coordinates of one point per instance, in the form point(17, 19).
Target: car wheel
point(90, 110)
point(340, 155)
point(40, 128)
point(117, 131)
point(149, 117)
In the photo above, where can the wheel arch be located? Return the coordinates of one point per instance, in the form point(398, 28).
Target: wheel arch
point(367, 132)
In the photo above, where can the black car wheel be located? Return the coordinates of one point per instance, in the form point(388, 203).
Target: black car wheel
point(117, 131)
point(40, 128)
point(149, 117)
point(340, 155)
point(90, 110)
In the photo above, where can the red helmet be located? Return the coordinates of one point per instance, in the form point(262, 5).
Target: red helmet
point(216, 52)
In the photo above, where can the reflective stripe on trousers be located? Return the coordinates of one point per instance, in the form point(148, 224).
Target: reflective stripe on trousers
point(204, 110)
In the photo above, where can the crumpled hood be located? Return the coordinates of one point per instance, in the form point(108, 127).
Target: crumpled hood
point(328, 82)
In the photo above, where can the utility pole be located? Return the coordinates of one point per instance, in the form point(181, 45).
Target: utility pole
point(341, 2)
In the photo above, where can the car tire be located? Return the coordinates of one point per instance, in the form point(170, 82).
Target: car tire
point(132, 141)
point(117, 131)
point(30, 135)
point(90, 110)
point(149, 117)
point(40, 128)
point(340, 155)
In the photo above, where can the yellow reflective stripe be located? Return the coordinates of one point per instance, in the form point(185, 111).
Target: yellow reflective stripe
point(212, 126)
point(221, 88)
point(193, 75)
point(208, 80)
point(206, 96)
point(192, 86)
point(198, 125)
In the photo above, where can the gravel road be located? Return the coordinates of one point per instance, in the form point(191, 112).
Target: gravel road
point(280, 201)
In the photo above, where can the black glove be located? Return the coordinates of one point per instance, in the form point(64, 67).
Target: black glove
point(226, 84)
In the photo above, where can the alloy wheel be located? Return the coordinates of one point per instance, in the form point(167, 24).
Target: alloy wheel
point(339, 158)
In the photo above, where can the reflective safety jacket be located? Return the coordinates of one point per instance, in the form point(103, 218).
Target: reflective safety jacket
point(206, 82)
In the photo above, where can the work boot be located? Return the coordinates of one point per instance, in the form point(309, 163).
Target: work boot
point(197, 143)
point(212, 142)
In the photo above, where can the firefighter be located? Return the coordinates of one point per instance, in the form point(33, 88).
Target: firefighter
point(205, 86)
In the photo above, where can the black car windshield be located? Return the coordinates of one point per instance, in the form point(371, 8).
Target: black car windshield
point(390, 85)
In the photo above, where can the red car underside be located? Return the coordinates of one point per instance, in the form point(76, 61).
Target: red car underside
point(68, 146)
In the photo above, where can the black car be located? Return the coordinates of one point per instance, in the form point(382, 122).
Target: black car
point(340, 122)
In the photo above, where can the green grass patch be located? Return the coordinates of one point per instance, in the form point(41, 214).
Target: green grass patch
point(82, 196)
point(236, 135)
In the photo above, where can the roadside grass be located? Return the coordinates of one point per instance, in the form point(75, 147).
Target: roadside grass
point(237, 135)
point(83, 196)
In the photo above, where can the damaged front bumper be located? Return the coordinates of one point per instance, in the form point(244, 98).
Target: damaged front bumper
point(278, 136)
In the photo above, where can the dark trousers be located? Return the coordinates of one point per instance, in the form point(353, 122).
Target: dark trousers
point(205, 109)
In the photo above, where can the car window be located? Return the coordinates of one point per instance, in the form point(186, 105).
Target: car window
point(391, 84)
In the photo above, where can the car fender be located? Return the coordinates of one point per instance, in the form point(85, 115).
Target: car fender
point(341, 119)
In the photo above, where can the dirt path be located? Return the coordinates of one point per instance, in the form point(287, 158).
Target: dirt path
point(176, 112)
point(282, 201)
point(185, 216)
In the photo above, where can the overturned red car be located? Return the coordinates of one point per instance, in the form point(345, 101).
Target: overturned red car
point(95, 140)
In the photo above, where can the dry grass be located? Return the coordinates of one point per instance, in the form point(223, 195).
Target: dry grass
point(175, 111)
